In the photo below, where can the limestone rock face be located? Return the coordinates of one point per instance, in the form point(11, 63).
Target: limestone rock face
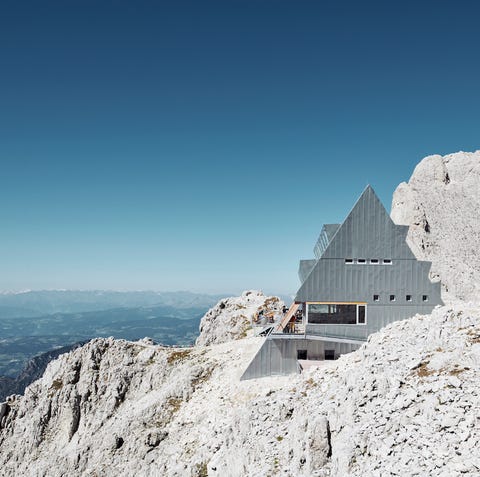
point(32, 371)
point(441, 205)
point(406, 403)
point(231, 318)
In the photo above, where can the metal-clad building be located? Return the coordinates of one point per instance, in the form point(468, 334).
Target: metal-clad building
point(364, 276)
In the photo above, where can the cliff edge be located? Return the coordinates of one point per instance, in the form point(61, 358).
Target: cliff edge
point(441, 205)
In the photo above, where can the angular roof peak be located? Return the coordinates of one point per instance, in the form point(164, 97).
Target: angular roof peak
point(368, 190)
point(368, 231)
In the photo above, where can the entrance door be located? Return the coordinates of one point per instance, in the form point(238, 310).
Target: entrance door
point(301, 354)
point(329, 354)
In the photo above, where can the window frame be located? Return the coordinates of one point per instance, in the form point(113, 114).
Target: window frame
point(357, 304)
point(364, 316)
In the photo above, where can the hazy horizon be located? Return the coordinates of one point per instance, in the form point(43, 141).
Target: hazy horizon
point(219, 294)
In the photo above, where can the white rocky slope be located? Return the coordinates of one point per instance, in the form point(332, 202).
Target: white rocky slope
point(232, 318)
point(407, 403)
point(441, 204)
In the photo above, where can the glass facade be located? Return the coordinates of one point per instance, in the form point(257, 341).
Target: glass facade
point(332, 314)
point(336, 314)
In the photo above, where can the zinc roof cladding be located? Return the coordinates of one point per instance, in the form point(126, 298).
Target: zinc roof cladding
point(367, 232)
point(304, 269)
point(331, 229)
point(326, 235)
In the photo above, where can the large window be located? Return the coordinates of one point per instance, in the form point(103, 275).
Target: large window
point(336, 314)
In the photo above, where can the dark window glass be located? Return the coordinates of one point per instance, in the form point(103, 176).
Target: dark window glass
point(361, 260)
point(331, 314)
point(424, 297)
point(361, 314)
point(392, 297)
point(349, 260)
point(409, 297)
point(374, 261)
point(376, 297)
point(387, 261)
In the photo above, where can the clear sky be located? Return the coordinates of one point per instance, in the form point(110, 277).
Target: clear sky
point(200, 145)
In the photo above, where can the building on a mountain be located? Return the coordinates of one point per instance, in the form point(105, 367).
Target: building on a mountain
point(363, 277)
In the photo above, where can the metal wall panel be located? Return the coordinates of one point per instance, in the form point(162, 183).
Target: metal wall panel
point(326, 234)
point(278, 356)
point(305, 268)
point(369, 233)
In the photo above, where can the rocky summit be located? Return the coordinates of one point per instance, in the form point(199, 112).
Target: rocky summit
point(231, 318)
point(441, 205)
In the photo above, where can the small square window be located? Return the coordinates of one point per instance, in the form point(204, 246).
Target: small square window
point(387, 261)
point(362, 261)
point(424, 297)
point(376, 297)
point(374, 261)
point(392, 297)
point(408, 297)
point(349, 261)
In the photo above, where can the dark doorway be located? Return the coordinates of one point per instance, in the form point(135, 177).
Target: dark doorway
point(301, 354)
point(329, 354)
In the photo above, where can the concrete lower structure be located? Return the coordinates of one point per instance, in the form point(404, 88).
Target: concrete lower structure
point(279, 354)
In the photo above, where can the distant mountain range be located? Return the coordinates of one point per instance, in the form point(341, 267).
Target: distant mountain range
point(36, 322)
point(47, 302)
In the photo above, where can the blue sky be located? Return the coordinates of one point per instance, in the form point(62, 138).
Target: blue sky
point(201, 145)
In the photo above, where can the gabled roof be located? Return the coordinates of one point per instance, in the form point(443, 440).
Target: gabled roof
point(367, 232)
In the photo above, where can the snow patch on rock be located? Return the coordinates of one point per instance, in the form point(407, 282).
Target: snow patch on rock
point(232, 318)
point(441, 204)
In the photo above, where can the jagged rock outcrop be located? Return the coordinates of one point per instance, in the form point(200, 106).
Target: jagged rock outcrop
point(32, 371)
point(406, 403)
point(441, 204)
point(231, 318)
